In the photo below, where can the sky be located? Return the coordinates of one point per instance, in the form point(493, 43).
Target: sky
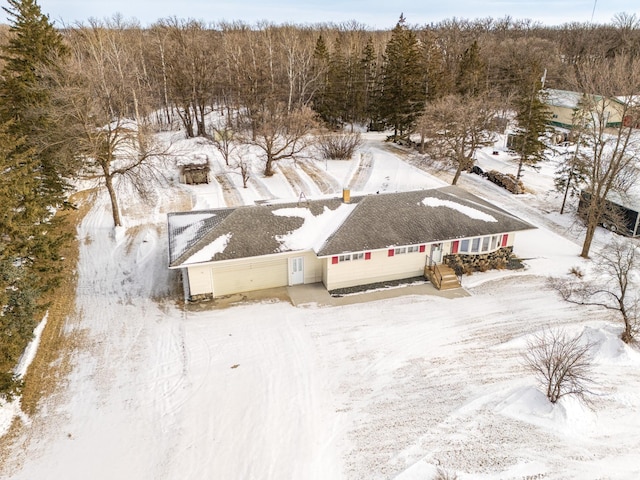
point(371, 13)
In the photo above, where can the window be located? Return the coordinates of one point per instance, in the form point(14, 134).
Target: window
point(401, 250)
point(413, 249)
point(350, 257)
point(479, 244)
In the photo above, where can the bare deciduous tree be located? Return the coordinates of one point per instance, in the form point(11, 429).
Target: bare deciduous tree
point(101, 112)
point(611, 286)
point(244, 168)
point(453, 128)
point(223, 140)
point(281, 134)
point(611, 85)
point(561, 363)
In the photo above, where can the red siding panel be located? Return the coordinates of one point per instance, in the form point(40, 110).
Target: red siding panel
point(423, 248)
point(334, 259)
point(505, 239)
point(367, 255)
point(454, 246)
point(391, 252)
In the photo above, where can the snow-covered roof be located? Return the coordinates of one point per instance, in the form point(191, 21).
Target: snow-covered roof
point(569, 99)
point(563, 98)
point(331, 227)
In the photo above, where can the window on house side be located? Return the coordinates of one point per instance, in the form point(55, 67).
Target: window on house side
point(401, 250)
point(485, 243)
point(475, 245)
point(464, 246)
point(344, 258)
point(357, 256)
point(413, 249)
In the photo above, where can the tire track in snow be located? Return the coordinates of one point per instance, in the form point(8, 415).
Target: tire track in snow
point(230, 192)
point(363, 172)
point(297, 182)
point(325, 183)
point(261, 188)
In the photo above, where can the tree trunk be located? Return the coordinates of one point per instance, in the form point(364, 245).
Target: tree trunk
point(588, 238)
point(456, 177)
point(115, 211)
point(520, 165)
point(268, 167)
point(566, 190)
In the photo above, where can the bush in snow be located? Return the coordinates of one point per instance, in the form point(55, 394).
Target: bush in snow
point(442, 474)
point(561, 363)
point(339, 146)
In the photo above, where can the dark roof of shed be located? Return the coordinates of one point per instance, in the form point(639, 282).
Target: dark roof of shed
point(377, 221)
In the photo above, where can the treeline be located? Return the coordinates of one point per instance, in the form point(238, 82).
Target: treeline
point(186, 67)
point(88, 99)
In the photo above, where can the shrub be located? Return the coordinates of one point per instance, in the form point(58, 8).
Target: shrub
point(339, 146)
point(576, 271)
point(561, 363)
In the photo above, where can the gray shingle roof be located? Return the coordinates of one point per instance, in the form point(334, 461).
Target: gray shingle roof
point(377, 221)
point(396, 219)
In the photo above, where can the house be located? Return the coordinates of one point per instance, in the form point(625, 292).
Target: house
point(563, 105)
point(621, 215)
point(341, 242)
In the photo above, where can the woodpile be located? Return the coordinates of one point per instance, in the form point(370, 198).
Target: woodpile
point(467, 264)
point(506, 180)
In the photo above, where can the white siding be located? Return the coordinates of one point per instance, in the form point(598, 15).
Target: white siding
point(199, 280)
point(248, 274)
point(379, 268)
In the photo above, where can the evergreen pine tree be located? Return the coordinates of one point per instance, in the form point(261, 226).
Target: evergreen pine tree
point(402, 93)
point(471, 72)
point(367, 83)
point(18, 296)
point(532, 117)
point(31, 184)
point(337, 86)
point(33, 45)
point(321, 69)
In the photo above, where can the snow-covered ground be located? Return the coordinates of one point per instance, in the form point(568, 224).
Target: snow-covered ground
point(380, 390)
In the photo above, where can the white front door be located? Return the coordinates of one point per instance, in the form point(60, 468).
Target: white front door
point(436, 253)
point(296, 270)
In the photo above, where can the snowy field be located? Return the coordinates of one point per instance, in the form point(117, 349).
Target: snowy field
point(382, 390)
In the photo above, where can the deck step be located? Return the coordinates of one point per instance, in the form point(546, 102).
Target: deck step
point(444, 279)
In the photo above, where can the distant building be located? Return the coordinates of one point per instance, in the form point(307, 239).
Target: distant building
point(563, 105)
